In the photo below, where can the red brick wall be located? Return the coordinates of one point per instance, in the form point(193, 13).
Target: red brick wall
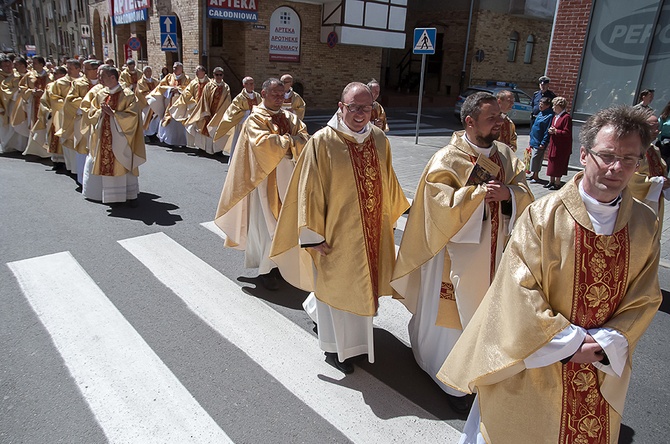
point(565, 54)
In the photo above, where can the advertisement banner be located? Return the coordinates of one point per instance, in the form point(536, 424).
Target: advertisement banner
point(129, 11)
point(240, 10)
point(284, 35)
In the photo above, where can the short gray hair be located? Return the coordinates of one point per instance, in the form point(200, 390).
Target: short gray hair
point(625, 120)
point(271, 82)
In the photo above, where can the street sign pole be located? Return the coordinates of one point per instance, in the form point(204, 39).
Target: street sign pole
point(418, 112)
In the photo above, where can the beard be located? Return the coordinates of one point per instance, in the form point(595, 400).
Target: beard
point(484, 140)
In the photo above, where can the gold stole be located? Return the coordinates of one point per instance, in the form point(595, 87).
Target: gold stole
point(283, 127)
point(365, 162)
point(601, 274)
point(106, 154)
point(375, 113)
point(133, 79)
point(447, 309)
point(251, 102)
point(53, 140)
point(40, 83)
point(150, 114)
point(218, 92)
point(506, 131)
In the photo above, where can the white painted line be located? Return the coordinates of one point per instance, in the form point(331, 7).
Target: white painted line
point(131, 392)
point(211, 226)
point(360, 406)
point(401, 223)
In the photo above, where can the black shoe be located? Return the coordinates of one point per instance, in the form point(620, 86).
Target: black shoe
point(345, 367)
point(552, 187)
point(276, 273)
point(269, 281)
point(459, 404)
point(58, 166)
point(548, 184)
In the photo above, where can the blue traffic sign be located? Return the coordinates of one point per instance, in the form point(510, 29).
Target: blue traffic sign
point(168, 27)
point(134, 43)
point(424, 40)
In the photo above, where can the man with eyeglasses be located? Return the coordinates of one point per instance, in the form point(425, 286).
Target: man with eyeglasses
point(650, 183)
point(335, 234)
point(456, 233)
point(253, 193)
point(553, 339)
point(292, 101)
point(208, 112)
point(230, 127)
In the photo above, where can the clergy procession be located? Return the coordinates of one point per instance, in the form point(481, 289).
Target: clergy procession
point(525, 313)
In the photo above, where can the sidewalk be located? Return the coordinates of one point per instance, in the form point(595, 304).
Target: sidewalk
point(409, 160)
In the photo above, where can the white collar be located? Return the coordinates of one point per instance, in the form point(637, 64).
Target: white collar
point(114, 90)
point(262, 105)
point(603, 215)
point(337, 124)
point(94, 81)
point(203, 80)
point(288, 93)
point(478, 149)
point(178, 77)
point(251, 94)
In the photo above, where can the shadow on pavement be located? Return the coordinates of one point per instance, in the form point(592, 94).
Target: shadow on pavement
point(287, 295)
point(665, 305)
point(148, 210)
point(626, 434)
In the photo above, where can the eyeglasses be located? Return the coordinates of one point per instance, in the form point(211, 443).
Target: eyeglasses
point(609, 159)
point(353, 108)
point(217, 74)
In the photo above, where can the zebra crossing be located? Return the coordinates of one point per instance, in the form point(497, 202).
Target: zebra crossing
point(136, 398)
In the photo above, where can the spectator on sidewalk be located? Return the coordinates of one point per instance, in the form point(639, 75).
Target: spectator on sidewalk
point(539, 138)
point(560, 143)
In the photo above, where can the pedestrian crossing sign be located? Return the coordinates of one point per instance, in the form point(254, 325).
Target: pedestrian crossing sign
point(424, 40)
point(169, 42)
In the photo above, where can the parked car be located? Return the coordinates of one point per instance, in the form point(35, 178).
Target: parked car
point(520, 112)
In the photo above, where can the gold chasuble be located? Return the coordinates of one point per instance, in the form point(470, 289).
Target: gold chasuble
point(347, 193)
point(508, 133)
point(82, 137)
point(651, 165)
point(210, 107)
point(268, 137)
point(294, 104)
point(162, 103)
point(238, 108)
point(378, 117)
point(443, 205)
point(556, 271)
point(70, 132)
point(116, 156)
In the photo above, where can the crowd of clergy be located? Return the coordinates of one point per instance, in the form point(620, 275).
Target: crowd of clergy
point(535, 306)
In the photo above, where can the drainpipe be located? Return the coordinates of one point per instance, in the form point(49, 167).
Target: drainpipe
point(467, 42)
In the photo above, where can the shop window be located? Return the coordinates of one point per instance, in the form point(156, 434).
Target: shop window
point(530, 43)
point(511, 48)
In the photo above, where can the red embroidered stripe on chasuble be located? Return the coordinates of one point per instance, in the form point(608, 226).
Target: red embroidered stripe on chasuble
point(274, 201)
point(106, 154)
point(365, 162)
point(601, 274)
point(218, 92)
point(655, 166)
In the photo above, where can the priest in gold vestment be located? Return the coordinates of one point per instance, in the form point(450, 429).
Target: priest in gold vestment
point(75, 132)
point(208, 112)
point(378, 117)
point(457, 222)
point(335, 232)
point(116, 143)
point(50, 117)
point(293, 103)
point(508, 134)
point(161, 100)
point(17, 113)
point(25, 114)
point(10, 140)
point(253, 193)
point(129, 76)
point(230, 126)
point(145, 86)
point(549, 350)
point(650, 183)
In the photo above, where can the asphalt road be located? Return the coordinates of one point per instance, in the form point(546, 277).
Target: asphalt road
point(118, 323)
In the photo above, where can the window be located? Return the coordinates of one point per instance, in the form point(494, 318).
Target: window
point(217, 32)
point(511, 48)
point(530, 43)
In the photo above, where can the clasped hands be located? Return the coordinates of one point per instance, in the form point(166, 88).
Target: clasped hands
point(323, 248)
point(497, 191)
point(589, 352)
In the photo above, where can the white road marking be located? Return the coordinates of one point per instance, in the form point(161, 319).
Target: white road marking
point(211, 226)
point(359, 405)
point(132, 393)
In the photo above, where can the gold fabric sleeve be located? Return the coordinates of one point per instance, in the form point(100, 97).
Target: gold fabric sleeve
point(530, 301)
point(234, 114)
point(443, 204)
point(258, 152)
point(323, 197)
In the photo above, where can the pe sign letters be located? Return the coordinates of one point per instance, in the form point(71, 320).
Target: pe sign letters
point(284, 35)
point(240, 10)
